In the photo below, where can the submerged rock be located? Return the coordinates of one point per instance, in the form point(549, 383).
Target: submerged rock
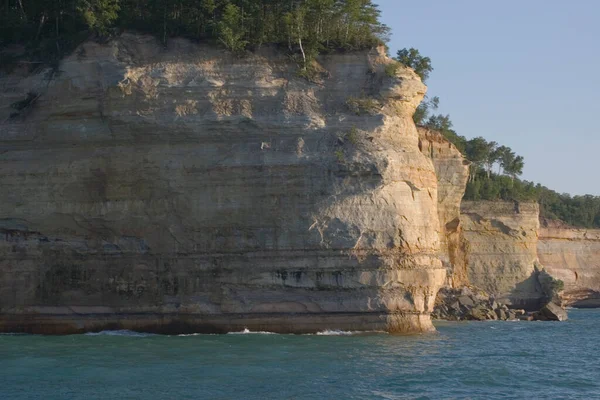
point(552, 312)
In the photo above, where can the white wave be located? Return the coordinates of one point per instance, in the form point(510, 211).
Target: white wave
point(249, 332)
point(335, 332)
point(119, 333)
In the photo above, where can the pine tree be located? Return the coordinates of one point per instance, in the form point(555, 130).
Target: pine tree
point(231, 32)
point(99, 14)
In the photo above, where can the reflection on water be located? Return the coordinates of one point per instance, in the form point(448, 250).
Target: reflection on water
point(463, 360)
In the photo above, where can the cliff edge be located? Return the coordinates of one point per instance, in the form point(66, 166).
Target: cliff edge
point(182, 189)
point(452, 171)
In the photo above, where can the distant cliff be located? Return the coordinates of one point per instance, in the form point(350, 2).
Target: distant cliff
point(502, 250)
point(510, 256)
point(182, 189)
point(573, 256)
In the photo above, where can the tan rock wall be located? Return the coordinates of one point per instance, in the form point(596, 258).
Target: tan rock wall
point(502, 250)
point(184, 189)
point(573, 256)
point(452, 171)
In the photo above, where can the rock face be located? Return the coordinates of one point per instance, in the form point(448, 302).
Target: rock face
point(502, 251)
point(185, 190)
point(452, 171)
point(573, 256)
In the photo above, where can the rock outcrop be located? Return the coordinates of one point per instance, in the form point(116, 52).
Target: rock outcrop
point(471, 304)
point(572, 256)
point(551, 312)
point(452, 171)
point(502, 251)
point(182, 189)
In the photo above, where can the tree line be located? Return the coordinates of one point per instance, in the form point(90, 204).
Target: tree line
point(306, 27)
point(495, 168)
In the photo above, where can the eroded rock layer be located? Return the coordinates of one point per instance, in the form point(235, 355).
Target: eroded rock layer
point(502, 251)
point(452, 171)
point(573, 256)
point(183, 189)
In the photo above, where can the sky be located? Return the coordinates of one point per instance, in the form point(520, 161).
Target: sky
point(524, 73)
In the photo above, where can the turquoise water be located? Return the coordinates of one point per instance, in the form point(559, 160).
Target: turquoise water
point(492, 360)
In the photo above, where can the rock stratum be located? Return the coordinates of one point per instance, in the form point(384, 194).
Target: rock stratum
point(525, 264)
point(182, 189)
point(573, 256)
point(452, 171)
point(502, 250)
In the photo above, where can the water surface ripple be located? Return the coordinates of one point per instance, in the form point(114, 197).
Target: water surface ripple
point(487, 360)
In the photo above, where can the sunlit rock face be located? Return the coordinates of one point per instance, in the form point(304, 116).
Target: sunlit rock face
point(502, 259)
point(452, 171)
point(573, 256)
point(182, 189)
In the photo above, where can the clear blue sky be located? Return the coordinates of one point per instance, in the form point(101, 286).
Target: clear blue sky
point(525, 73)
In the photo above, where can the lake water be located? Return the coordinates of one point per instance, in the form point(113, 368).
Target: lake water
point(491, 360)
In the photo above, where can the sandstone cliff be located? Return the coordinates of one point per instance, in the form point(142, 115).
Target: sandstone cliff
point(186, 190)
point(502, 251)
point(452, 171)
point(573, 256)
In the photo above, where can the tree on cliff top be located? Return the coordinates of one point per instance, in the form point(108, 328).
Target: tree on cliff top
point(305, 26)
point(99, 15)
point(413, 59)
point(231, 33)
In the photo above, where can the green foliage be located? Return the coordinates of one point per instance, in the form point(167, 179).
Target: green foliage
point(484, 184)
point(231, 32)
point(306, 27)
point(352, 136)
point(579, 211)
point(363, 105)
point(558, 285)
point(392, 68)
point(424, 109)
point(309, 72)
point(99, 15)
point(339, 156)
point(498, 187)
point(413, 59)
point(582, 211)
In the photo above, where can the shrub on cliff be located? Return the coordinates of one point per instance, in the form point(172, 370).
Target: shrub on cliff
point(363, 105)
point(413, 59)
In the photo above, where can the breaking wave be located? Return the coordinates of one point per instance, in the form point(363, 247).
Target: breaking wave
point(126, 333)
point(249, 332)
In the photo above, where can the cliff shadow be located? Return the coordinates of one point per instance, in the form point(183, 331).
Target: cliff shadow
point(537, 290)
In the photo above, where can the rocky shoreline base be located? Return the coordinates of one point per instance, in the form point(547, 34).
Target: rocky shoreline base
point(472, 304)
